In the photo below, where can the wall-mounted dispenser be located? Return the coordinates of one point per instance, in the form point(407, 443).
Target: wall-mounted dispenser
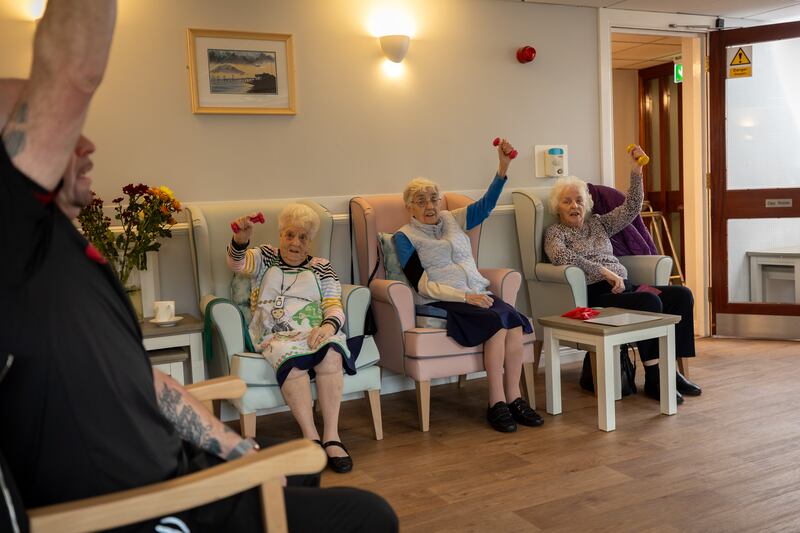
point(554, 163)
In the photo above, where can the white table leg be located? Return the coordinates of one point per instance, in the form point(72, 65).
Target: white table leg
point(617, 372)
point(552, 372)
point(666, 370)
point(605, 386)
point(196, 355)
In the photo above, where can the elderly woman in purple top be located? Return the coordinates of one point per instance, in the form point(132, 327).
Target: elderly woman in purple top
point(584, 240)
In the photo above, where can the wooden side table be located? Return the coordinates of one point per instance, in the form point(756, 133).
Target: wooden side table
point(606, 340)
point(188, 334)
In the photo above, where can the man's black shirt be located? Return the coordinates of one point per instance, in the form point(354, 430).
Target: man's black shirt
point(78, 408)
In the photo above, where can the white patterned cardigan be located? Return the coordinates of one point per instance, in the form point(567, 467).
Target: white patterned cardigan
point(256, 261)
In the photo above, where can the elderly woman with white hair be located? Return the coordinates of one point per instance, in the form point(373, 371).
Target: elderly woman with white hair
point(297, 321)
point(436, 257)
point(584, 240)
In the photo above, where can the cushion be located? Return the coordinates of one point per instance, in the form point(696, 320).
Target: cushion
point(241, 286)
point(391, 263)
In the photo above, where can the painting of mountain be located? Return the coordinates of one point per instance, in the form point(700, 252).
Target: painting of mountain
point(242, 71)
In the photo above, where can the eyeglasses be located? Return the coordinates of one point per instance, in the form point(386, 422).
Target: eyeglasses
point(423, 202)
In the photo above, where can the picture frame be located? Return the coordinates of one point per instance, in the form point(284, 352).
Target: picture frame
point(241, 73)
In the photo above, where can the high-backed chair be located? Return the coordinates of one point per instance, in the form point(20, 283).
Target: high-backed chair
point(211, 233)
point(421, 353)
point(552, 289)
point(265, 470)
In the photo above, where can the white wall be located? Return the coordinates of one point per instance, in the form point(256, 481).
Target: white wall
point(356, 131)
point(626, 122)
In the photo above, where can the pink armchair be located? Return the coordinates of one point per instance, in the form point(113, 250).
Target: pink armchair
point(421, 353)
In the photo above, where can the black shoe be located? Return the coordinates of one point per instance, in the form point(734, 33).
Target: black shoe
point(340, 465)
point(523, 414)
point(500, 418)
point(653, 390)
point(685, 386)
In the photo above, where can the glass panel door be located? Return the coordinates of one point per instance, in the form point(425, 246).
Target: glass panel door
point(755, 164)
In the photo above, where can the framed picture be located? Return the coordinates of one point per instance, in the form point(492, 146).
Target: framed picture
point(232, 72)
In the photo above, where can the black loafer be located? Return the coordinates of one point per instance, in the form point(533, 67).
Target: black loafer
point(685, 386)
point(340, 465)
point(500, 418)
point(653, 390)
point(523, 414)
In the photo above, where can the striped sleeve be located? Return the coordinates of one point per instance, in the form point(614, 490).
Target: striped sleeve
point(250, 261)
point(409, 259)
point(332, 309)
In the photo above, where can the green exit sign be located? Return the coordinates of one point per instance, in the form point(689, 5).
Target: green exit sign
point(678, 73)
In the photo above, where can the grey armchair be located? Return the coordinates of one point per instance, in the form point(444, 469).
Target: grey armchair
point(553, 290)
point(210, 234)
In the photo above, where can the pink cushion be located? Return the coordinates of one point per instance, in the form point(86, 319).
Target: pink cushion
point(423, 343)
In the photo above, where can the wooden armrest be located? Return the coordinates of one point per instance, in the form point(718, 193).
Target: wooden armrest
point(263, 469)
point(224, 388)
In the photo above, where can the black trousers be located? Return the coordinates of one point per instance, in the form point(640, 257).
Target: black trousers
point(673, 300)
point(308, 508)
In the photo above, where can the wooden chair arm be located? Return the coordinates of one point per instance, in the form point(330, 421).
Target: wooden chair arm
point(224, 388)
point(263, 469)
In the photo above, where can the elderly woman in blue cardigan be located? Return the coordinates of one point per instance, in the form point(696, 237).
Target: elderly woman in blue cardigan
point(436, 257)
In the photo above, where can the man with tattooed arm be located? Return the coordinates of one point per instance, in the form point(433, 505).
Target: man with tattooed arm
point(83, 413)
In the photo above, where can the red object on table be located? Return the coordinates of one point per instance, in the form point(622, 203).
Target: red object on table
point(526, 54)
point(581, 313)
point(511, 155)
point(257, 219)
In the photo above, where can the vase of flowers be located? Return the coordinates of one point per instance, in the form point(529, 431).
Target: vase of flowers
point(143, 216)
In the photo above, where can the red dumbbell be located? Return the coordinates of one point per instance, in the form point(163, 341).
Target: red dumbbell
point(510, 155)
point(257, 219)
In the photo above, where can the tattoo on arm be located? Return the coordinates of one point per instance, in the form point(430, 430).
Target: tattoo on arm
point(186, 421)
point(14, 137)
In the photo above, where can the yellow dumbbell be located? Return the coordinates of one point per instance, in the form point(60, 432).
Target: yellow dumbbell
point(642, 160)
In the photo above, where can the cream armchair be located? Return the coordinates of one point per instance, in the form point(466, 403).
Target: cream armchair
point(264, 470)
point(421, 353)
point(210, 234)
point(553, 290)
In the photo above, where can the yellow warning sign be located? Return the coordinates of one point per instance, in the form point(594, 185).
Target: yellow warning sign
point(740, 58)
point(740, 61)
point(740, 72)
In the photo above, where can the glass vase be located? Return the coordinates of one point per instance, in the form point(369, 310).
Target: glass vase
point(134, 290)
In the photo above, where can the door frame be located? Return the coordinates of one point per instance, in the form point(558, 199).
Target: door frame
point(695, 149)
point(734, 315)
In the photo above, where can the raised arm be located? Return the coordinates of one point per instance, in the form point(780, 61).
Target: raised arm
point(246, 260)
point(475, 213)
point(194, 423)
point(70, 53)
point(616, 220)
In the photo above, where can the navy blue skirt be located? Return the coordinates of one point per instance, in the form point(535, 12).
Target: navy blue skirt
point(308, 362)
point(470, 325)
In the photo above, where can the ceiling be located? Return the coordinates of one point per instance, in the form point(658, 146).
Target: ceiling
point(766, 10)
point(634, 52)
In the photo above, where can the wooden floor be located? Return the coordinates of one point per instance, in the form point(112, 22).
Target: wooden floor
point(728, 461)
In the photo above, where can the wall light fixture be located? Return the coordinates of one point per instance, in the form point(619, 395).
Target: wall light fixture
point(395, 47)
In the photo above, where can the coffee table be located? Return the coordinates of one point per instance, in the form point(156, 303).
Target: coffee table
point(606, 340)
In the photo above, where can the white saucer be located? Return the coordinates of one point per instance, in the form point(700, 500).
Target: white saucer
point(166, 323)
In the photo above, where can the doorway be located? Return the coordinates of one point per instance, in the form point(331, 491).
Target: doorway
point(755, 177)
point(648, 110)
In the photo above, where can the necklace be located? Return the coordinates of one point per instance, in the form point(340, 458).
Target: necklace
point(280, 300)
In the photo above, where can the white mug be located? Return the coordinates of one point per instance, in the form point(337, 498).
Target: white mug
point(164, 310)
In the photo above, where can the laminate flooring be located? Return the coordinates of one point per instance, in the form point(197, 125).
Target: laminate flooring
point(728, 461)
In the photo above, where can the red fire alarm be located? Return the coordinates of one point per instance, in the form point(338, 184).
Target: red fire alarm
point(526, 54)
